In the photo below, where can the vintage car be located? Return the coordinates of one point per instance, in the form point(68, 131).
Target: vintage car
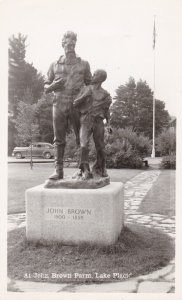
point(45, 150)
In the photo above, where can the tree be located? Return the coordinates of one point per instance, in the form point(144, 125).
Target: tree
point(43, 114)
point(124, 107)
point(16, 70)
point(133, 107)
point(25, 123)
point(22, 76)
point(166, 142)
point(34, 80)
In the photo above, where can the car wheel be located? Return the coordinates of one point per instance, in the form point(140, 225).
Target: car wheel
point(47, 155)
point(18, 155)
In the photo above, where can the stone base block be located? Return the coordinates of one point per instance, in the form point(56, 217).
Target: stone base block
point(72, 217)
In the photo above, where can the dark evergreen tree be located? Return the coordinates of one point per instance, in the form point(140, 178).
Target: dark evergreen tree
point(17, 50)
point(22, 77)
point(43, 114)
point(26, 123)
point(133, 107)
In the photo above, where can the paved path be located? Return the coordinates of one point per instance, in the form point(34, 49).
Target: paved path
point(161, 281)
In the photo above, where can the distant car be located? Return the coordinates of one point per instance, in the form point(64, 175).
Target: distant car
point(45, 150)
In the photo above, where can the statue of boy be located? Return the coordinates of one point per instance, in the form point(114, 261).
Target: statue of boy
point(65, 78)
point(93, 104)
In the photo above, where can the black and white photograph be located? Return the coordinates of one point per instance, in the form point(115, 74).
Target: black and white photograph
point(91, 94)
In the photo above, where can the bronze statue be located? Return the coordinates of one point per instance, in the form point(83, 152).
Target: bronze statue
point(65, 78)
point(93, 105)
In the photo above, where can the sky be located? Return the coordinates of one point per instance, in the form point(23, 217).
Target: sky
point(115, 35)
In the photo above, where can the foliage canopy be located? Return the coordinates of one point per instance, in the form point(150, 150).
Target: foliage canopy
point(133, 107)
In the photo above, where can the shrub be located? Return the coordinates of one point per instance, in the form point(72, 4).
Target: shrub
point(124, 148)
point(122, 159)
point(169, 162)
point(166, 142)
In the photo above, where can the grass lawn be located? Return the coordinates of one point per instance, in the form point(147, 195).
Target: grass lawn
point(21, 177)
point(139, 251)
point(161, 198)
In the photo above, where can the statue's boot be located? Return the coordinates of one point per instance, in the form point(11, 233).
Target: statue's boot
point(86, 172)
point(84, 163)
point(58, 155)
point(99, 167)
point(84, 151)
point(104, 173)
point(57, 174)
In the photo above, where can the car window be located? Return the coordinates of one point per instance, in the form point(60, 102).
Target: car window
point(47, 147)
point(39, 146)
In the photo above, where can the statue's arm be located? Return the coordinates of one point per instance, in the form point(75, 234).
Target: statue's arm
point(49, 79)
point(51, 84)
point(109, 129)
point(82, 97)
point(107, 103)
point(107, 117)
point(107, 113)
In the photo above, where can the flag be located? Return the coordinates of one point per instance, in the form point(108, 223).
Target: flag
point(154, 36)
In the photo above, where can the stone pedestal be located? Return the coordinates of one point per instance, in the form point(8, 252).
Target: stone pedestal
point(75, 216)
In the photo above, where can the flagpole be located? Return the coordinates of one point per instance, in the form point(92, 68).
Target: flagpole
point(153, 144)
